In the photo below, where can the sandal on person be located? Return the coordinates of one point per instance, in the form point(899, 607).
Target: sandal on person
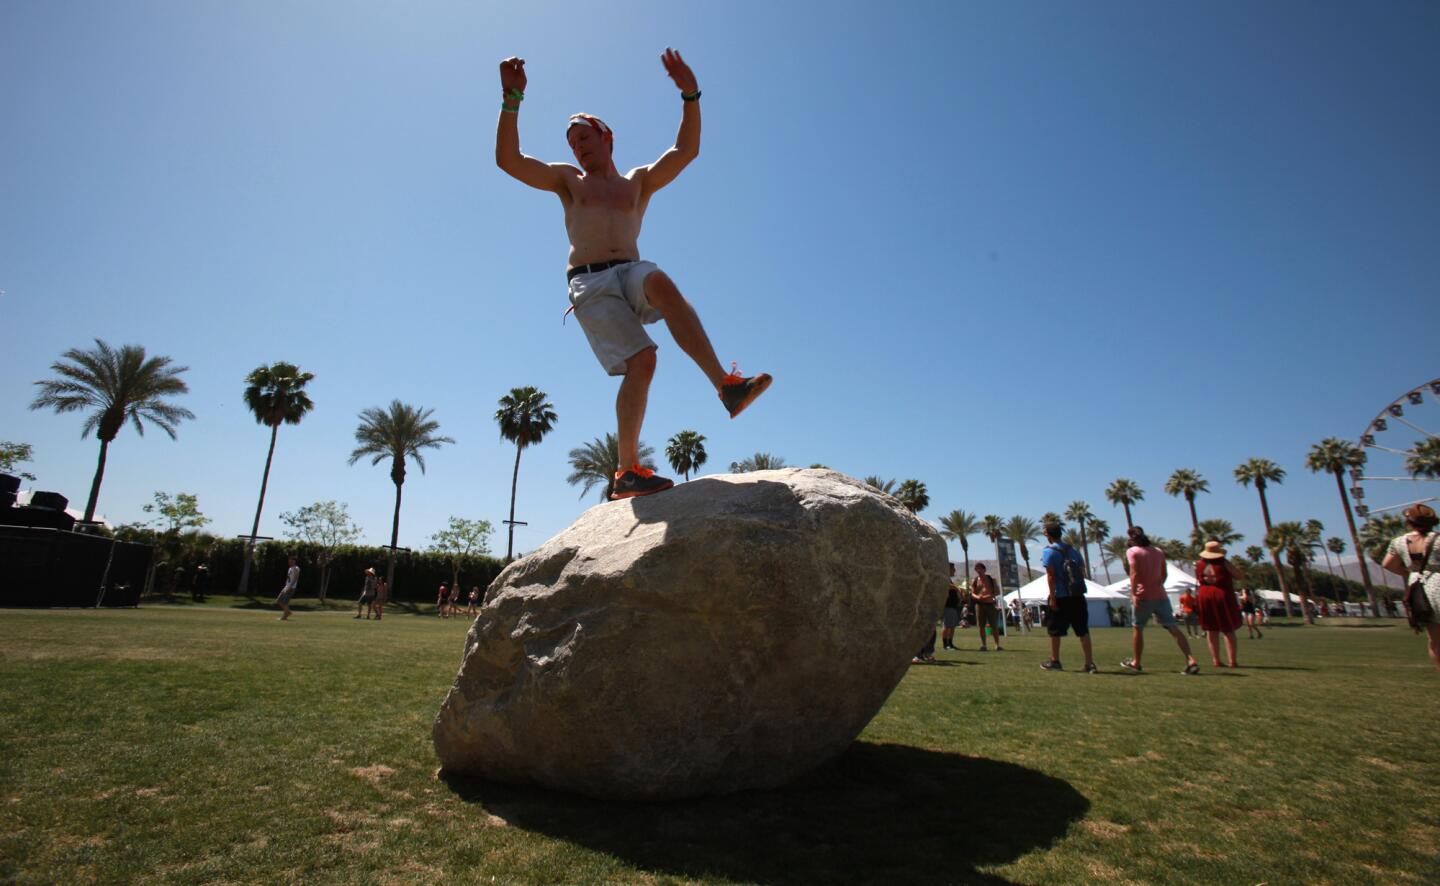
point(1192, 669)
point(1130, 665)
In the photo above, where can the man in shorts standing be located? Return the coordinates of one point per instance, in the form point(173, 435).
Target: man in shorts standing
point(1147, 595)
point(612, 292)
point(985, 595)
point(1069, 611)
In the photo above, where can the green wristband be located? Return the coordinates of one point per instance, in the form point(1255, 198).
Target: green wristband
point(514, 95)
point(508, 109)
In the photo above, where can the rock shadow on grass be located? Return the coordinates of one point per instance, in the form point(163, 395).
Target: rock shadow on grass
point(882, 813)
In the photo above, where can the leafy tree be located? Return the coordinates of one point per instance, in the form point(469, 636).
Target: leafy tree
point(1079, 511)
point(327, 526)
point(1099, 531)
point(913, 495)
point(176, 513)
point(1375, 537)
point(1215, 530)
point(1336, 545)
point(1115, 548)
point(1175, 549)
point(460, 540)
point(397, 432)
point(525, 417)
point(1125, 493)
point(1262, 472)
point(1424, 459)
point(760, 461)
point(1051, 517)
point(1296, 542)
point(686, 452)
point(958, 526)
point(114, 387)
point(1255, 552)
point(596, 462)
point(11, 456)
point(1335, 456)
point(1187, 483)
point(275, 394)
point(1022, 530)
point(885, 486)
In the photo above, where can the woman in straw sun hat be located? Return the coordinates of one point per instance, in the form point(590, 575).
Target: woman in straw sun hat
point(1219, 611)
point(1413, 556)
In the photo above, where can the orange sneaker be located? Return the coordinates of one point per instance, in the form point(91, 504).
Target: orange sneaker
point(637, 481)
point(738, 392)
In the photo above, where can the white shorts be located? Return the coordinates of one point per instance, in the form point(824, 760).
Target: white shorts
point(612, 309)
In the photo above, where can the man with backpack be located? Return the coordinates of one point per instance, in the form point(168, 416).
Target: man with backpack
point(1147, 595)
point(1065, 572)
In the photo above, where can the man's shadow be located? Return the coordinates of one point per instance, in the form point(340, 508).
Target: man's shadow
point(881, 813)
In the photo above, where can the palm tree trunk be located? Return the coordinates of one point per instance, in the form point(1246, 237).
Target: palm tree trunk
point(1105, 562)
point(394, 540)
point(1129, 524)
point(255, 527)
point(1274, 554)
point(95, 484)
point(514, 480)
point(1355, 539)
point(966, 549)
point(1194, 521)
point(1303, 591)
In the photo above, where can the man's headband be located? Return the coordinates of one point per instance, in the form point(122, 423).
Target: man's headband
point(594, 123)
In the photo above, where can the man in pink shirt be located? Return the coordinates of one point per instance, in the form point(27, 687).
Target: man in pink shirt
point(1147, 595)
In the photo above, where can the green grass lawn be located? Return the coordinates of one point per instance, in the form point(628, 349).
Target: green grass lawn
point(214, 743)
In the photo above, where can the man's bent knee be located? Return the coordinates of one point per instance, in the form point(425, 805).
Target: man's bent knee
point(661, 291)
point(641, 364)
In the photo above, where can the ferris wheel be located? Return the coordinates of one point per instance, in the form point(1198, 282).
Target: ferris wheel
point(1397, 437)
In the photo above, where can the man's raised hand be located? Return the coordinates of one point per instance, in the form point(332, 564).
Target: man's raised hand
point(512, 74)
point(679, 71)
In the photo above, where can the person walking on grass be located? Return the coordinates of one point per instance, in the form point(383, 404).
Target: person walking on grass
point(613, 293)
point(1065, 574)
point(1249, 613)
point(951, 612)
point(1413, 557)
point(382, 596)
point(474, 600)
point(1147, 597)
point(985, 595)
point(292, 581)
point(367, 594)
point(1189, 612)
point(1219, 611)
point(441, 600)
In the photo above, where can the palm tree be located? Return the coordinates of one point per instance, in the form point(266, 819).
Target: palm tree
point(1317, 533)
point(1375, 537)
point(114, 387)
point(885, 486)
point(1115, 548)
point(1295, 540)
point(1189, 484)
point(993, 526)
point(913, 495)
point(1424, 459)
point(686, 452)
point(1337, 456)
point(276, 395)
point(595, 463)
point(1079, 511)
point(1099, 531)
point(958, 526)
point(1022, 530)
point(398, 432)
point(1255, 552)
point(1262, 472)
point(1215, 530)
point(525, 417)
point(1125, 493)
point(1051, 517)
point(1336, 545)
point(760, 461)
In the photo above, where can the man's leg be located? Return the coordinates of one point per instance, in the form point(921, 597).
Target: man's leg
point(1137, 643)
point(630, 404)
point(1054, 648)
point(684, 325)
point(1089, 651)
point(1182, 642)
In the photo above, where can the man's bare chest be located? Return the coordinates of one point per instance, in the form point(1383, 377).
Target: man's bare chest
point(620, 195)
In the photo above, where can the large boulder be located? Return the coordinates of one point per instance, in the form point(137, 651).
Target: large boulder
point(728, 634)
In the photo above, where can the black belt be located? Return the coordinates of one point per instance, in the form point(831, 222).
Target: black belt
point(597, 266)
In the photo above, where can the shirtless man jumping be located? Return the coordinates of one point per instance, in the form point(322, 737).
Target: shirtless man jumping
point(612, 292)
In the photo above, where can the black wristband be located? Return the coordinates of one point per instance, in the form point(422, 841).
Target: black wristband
point(690, 96)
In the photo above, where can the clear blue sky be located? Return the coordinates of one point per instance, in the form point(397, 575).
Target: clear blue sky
point(1014, 250)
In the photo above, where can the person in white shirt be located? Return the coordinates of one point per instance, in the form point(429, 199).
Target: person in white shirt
point(292, 581)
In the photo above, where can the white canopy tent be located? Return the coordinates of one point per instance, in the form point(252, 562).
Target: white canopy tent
point(1177, 582)
point(1099, 599)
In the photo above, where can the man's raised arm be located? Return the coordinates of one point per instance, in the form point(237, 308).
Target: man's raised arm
point(687, 142)
point(532, 172)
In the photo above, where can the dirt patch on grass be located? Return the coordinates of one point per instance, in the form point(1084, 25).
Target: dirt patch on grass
point(1379, 763)
point(372, 774)
point(1105, 830)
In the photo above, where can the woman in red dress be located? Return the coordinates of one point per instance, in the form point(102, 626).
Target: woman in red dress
point(1219, 611)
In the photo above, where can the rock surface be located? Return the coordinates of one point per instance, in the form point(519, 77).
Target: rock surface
point(729, 634)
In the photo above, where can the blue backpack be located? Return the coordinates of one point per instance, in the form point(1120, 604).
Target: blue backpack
point(1071, 571)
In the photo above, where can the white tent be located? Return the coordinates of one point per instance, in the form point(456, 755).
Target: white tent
point(1100, 600)
point(1177, 582)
